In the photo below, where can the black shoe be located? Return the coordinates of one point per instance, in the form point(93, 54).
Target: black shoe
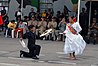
point(21, 53)
point(35, 57)
point(94, 42)
point(88, 42)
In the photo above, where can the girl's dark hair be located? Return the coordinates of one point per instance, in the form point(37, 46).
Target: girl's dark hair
point(12, 20)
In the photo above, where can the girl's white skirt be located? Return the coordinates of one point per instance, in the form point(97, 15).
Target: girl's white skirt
point(76, 44)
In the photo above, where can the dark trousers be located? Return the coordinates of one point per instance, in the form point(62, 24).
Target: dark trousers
point(33, 51)
point(9, 31)
point(5, 29)
point(2, 27)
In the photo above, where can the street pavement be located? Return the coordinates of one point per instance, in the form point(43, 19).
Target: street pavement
point(51, 54)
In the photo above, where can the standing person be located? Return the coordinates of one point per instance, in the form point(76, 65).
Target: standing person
point(95, 15)
point(4, 15)
point(1, 22)
point(59, 17)
point(49, 15)
point(34, 49)
point(74, 43)
point(18, 14)
point(84, 22)
point(32, 13)
point(38, 16)
point(6, 22)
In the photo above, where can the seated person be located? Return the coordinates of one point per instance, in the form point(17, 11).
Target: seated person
point(34, 49)
point(33, 21)
point(41, 27)
point(53, 25)
point(21, 27)
point(62, 27)
point(93, 31)
point(11, 26)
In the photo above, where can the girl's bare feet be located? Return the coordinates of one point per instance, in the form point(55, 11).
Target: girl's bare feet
point(73, 58)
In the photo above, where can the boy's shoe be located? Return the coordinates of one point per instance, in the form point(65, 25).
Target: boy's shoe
point(35, 57)
point(94, 42)
point(21, 53)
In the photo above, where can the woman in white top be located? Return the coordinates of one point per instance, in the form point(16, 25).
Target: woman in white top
point(74, 43)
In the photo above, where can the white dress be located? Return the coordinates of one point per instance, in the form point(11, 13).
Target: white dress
point(73, 42)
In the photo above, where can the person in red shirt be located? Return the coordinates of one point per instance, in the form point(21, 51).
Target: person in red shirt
point(1, 22)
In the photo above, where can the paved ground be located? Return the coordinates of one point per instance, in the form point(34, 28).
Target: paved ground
point(51, 54)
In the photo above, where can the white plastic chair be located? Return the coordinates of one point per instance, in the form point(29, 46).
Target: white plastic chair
point(6, 33)
point(12, 33)
point(17, 34)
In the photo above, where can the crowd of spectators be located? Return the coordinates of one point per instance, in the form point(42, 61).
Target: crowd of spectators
point(43, 21)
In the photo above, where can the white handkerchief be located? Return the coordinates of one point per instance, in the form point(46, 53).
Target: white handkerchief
point(22, 43)
point(46, 32)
